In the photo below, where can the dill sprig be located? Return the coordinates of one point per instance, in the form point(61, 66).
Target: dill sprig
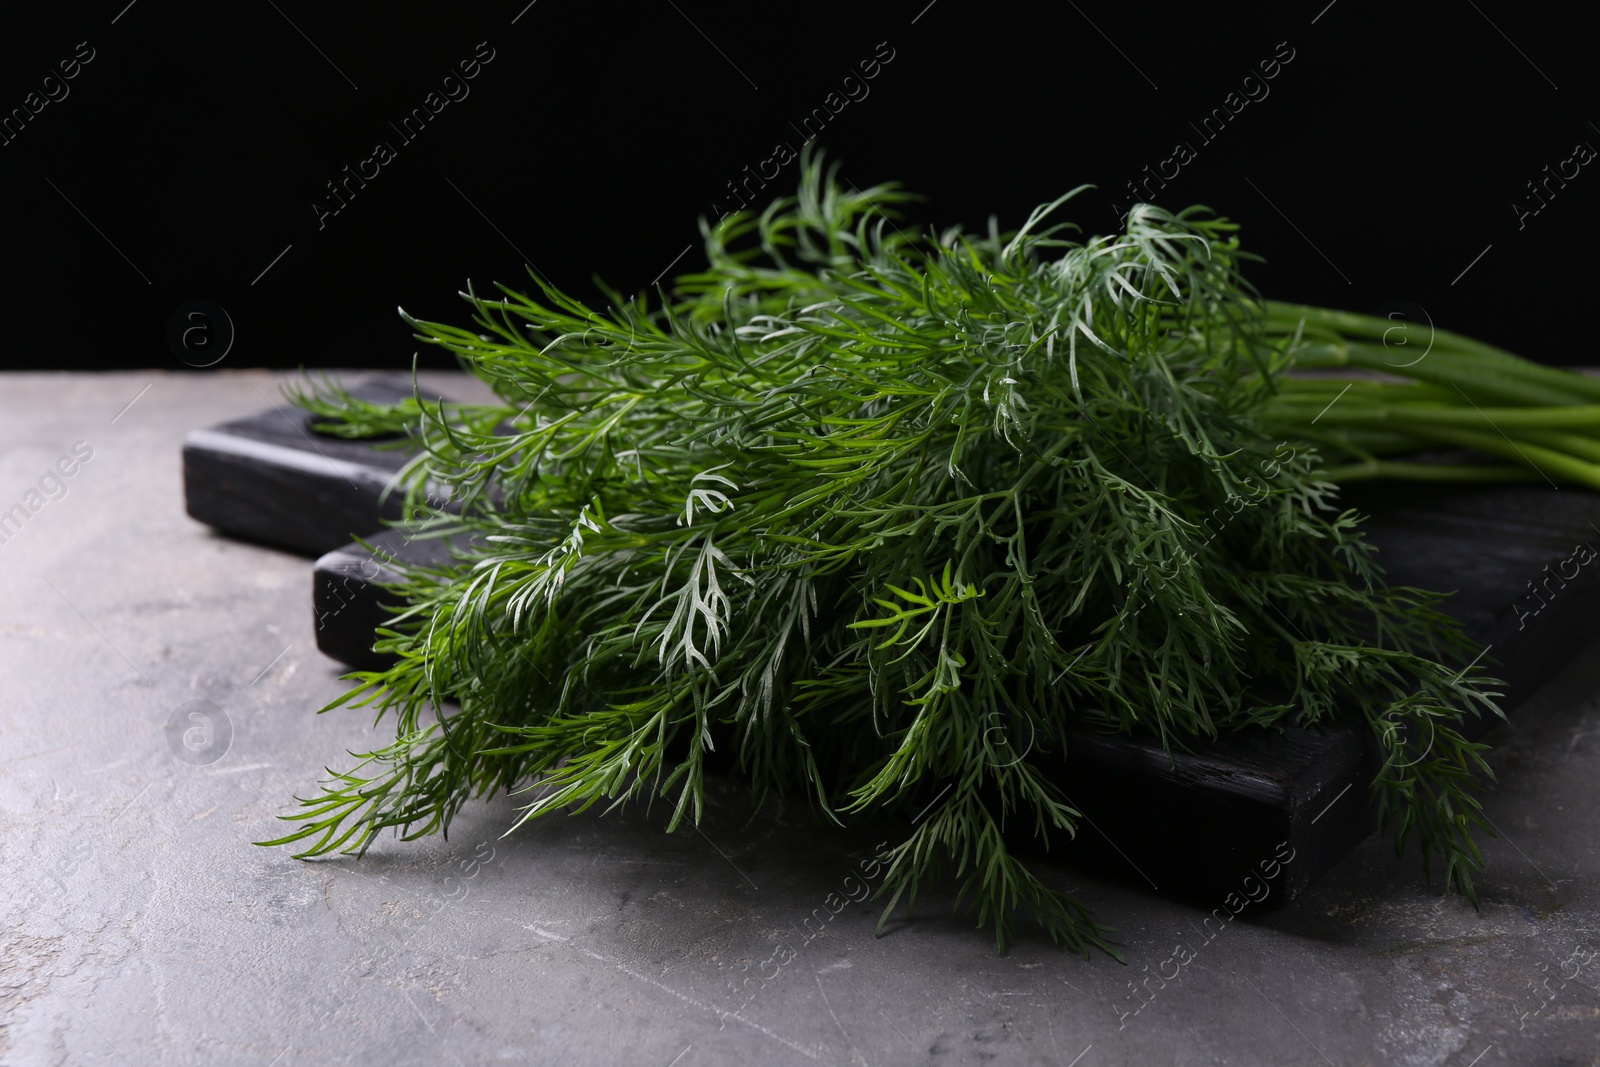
point(875, 514)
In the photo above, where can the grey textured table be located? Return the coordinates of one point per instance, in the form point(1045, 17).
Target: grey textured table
point(141, 926)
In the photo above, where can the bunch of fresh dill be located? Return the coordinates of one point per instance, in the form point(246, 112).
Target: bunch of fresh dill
point(875, 511)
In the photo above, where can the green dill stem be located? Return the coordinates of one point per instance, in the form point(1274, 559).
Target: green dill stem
point(1587, 448)
point(1431, 472)
point(1483, 384)
point(1545, 460)
point(1361, 412)
point(1544, 428)
point(1284, 318)
point(1357, 439)
point(1552, 384)
point(1570, 386)
point(1327, 387)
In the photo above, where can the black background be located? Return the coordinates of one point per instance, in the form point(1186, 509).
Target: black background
point(1385, 160)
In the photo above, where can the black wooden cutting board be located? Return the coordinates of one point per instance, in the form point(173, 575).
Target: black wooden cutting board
point(1198, 821)
point(272, 478)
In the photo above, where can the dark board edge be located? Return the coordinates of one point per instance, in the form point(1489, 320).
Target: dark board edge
point(273, 479)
